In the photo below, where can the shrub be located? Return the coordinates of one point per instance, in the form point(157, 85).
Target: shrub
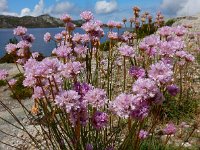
point(2, 83)
point(170, 22)
point(20, 91)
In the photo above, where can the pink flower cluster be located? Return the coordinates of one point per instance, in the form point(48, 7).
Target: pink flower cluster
point(113, 35)
point(19, 31)
point(3, 74)
point(127, 51)
point(145, 87)
point(71, 69)
point(47, 37)
point(99, 120)
point(11, 48)
point(114, 24)
point(143, 134)
point(169, 129)
point(96, 98)
point(62, 51)
point(87, 15)
point(149, 44)
point(137, 72)
point(122, 105)
point(161, 72)
point(68, 99)
point(66, 18)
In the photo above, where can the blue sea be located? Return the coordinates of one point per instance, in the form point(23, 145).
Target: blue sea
point(39, 45)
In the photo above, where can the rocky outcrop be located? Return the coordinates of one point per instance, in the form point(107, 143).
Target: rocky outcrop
point(193, 21)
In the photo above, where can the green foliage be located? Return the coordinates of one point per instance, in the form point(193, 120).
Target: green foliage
point(170, 22)
point(145, 30)
point(173, 109)
point(2, 83)
point(105, 46)
point(13, 40)
point(156, 144)
point(20, 91)
point(8, 58)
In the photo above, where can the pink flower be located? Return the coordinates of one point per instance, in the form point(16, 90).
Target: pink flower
point(65, 18)
point(85, 38)
point(143, 134)
point(96, 98)
point(68, 100)
point(151, 41)
point(21, 52)
point(113, 35)
point(161, 72)
point(172, 90)
point(87, 15)
point(122, 105)
point(71, 69)
point(58, 36)
point(118, 25)
point(180, 30)
point(62, 51)
point(3, 74)
point(145, 87)
point(127, 51)
point(99, 120)
point(35, 55)
point(81, 50)
point(29, 38)
point(12, 82)
point(167, 49)
point(82, 88)
point(45, 68)
point(127, 36)
point(47, 37)
point(24, 45)
point(64, 32)
point(91, 26)
point(79, 114)
point(181, 54)
point(149, 44)
point(38, 93)
point(169, 129)
point(165, 31)
point(20, 31)
point(10, 48)
point(142, 107)
point(137, 72)
point(70, 26)
point(189, 58)
point(77, 37)
point(111, 24)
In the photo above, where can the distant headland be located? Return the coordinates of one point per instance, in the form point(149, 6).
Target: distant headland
point(42, 21)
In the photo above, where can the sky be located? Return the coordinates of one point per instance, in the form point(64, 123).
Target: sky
point(103, 9)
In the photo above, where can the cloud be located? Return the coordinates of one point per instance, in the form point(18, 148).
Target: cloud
point(9, 13)
point(60, 7)
point(3, 5)
point(180, 7)
point(25, 12)
point(104, 7)
point(4, 9)
point(38, 10)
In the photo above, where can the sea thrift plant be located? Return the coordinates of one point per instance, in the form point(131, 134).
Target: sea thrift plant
point(87, 98)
